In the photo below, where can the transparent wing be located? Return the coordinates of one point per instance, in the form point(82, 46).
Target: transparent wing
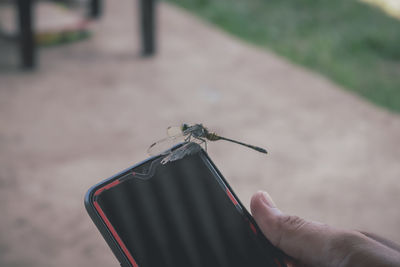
point(173, 131)
point(164, 145)
point(181, 152)
point(175, 136)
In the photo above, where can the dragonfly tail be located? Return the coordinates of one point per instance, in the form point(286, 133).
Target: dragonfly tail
point(256, 148)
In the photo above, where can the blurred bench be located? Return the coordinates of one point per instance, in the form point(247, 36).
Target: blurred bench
point(26, 36)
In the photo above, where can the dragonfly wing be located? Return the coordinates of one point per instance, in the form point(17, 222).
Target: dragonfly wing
point(174, 155)
point(192, 148)
point(181, 152)
point(173, 131)
point(162, 146)
point(175, 136)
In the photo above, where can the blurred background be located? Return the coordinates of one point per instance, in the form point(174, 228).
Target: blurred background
point(87, 86)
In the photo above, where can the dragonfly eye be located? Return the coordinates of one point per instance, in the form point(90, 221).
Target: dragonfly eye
point(184, 127)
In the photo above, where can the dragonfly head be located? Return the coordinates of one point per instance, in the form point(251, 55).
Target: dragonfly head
point(185, 126)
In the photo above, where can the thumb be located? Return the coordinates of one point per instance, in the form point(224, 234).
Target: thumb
point(307, 242)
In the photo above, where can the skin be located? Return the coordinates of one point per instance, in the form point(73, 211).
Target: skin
point(316, 244)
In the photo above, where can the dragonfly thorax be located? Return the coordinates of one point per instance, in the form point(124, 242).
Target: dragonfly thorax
point(212, 136)
point(195, 131)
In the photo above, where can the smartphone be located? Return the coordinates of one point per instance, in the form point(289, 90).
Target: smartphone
point(183, 213)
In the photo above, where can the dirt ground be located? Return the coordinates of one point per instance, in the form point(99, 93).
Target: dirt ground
point(92, 109)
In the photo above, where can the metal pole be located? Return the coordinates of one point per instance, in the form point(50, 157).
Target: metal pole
point(147, 17)
point(95, 8)
point(26, 34)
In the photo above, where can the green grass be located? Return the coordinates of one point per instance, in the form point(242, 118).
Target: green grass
point(354, 44)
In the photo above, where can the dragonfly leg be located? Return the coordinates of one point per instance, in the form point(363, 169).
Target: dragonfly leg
point(189, 138)
point(204, 141)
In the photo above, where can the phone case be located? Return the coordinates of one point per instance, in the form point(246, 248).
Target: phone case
point(115, 242)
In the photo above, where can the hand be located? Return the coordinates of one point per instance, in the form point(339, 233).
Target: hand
point(316, 244)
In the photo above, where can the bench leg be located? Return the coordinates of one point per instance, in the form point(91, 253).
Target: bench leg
point(26, 34)
point(147, 17)
point(95, 8)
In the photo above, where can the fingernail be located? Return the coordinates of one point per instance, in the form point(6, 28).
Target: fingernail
point(266, 198)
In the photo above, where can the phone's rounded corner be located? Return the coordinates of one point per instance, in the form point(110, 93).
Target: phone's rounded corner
point(88, 199)
point(93, 192)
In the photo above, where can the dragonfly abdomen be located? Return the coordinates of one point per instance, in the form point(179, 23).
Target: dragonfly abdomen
point(212, 137)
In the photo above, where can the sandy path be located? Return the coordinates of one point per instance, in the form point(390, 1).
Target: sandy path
point(94, 107)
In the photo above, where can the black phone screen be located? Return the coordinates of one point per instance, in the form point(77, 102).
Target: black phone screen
point(182, 214)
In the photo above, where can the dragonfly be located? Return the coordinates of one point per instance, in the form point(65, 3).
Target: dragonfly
point(193, 136)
